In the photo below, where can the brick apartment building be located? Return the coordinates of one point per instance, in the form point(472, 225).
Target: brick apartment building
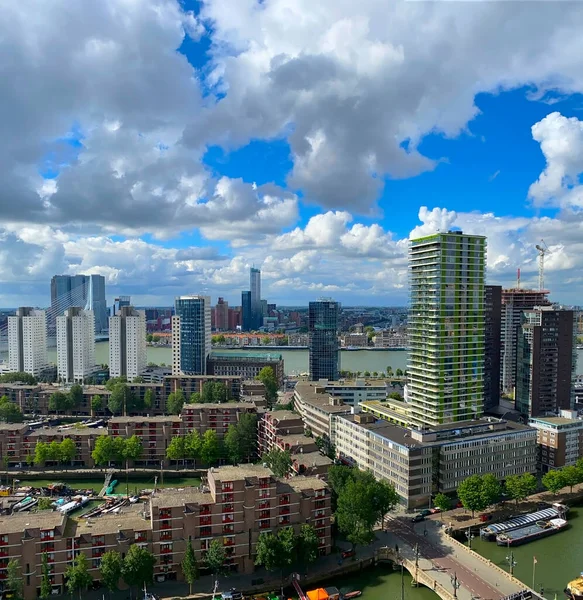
point(237, 505)
point(200, 417)
point(559, 439)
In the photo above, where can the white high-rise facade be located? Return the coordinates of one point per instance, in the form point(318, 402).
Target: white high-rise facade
point(127, 343)
point(75, 345)
point(27, 341)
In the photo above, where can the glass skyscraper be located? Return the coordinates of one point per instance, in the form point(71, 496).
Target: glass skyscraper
point(246, 312)
point(324, 348)
point(446, 328)
point(255, 288)
point(191, 335)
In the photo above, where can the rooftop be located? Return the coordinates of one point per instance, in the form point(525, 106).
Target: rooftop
point(556, 420)
point(311, 459)
point(129, 517)
point(315, 394)
point(302, 483)
point(147, 419)
point(64, 430)
point(224, 405)
point(299, 439)
point(170, 497)
point(399, 435)
point(13, 426)
point(239, 472)
point(19, 522)
point(234, 354)
point(283, 415)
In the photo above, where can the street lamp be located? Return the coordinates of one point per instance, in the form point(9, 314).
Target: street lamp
point(455, 584)
point(511, 563)
point(470, 537)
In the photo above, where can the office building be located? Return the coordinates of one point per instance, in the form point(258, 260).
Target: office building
point(127, 343)
point(246, 312)
point(119, 303)
point(87, 291)
point(514, 302)
point(560, 440)
point(323, 346)
point(256, 306)
point(546, 361)
point(222, 315)
point(493, 341)
point(191, 335)
point(245, 364)
point(27, 341)
point(75, 345)
point(446, 328)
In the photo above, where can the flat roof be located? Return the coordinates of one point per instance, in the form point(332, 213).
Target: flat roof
point(64, 430)
point(556, 420)
point(309, 459)
point(269, 356)
point(145, 419)
point(129, 517)
point(19, 522)
point(309, 395)
point(283, 415)
point(204, 405)
point(301, 483)
point(170, 497)
point(240, 472)
point(399, 435)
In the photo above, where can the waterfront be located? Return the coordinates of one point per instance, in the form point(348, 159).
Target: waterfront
point(559, 557)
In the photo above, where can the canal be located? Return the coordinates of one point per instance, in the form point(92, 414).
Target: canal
point(559, 557)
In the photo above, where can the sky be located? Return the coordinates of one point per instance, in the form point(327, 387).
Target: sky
point(170, 146)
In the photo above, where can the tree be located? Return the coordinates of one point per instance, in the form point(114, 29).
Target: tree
point(554, 481)
point(138, 566)
point(10, 412)
point(190, 566)
point(399, 373)
point(307, 545)
point(117, 399)
point(45, 504)
point(367, 373)
point(215, 557)
point(60, 402)
point(193, 446)
point(110, 568)
point(132, 449)
point(442, 502)
point(107, 449)
point(384, 498)
point(470, 494)
point(354, 512)
point(55, 451)
point(18, 377)
point(240, 439)
point(211, 448)
point(138, 379)
point(46, 587)
point(149, 337)
point(96, 404)
point(269, 552)
point(389, 371)
point(395, 396)
point(76, 395)
point(233, 445)
point(77, 575)
point(571, 476)
point(195, 398)
point(518, 487)
point(269, 380)
point(176, 448)
point(279, 461)
point(13, 582)
point(67, 451)
point(113, 381)
point(175, 402)
point(149, 399)
point(491, 489)
point(41, 453)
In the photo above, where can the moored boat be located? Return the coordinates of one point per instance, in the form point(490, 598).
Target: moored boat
point(574, 589)
point(531, 532)
point(490, 532)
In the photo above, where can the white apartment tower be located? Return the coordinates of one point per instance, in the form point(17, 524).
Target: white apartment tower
point(127, 343)
point(75, 345)
point(27, 341)
point(191, 335)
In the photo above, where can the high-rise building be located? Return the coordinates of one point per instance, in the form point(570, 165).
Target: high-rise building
point(75, 345)
point(222, 315)
point(27, 341)
point(234, 318)
point(514, 302)
point(246, 312)
point(446, 328)
point(127, 343)
point(493, 331)
point(87, 291)
point(323, 318)
point(191, 335)
point(546, 361)
point(119, 303)
point(256, 307)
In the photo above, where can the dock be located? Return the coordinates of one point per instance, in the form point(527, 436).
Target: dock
point(108, 477)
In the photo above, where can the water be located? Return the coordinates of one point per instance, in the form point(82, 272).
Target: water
point(559, 557)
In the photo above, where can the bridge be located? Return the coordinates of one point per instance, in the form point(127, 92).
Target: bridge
point(451, 569)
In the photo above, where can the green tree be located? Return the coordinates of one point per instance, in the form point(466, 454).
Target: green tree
point(232, 443)
point(289, 546)
point(76, 395)
point(108, 449)
point(175, 402)
point(113, 381)
point(132, 449)
point(110, 569)
point(193, 446)
point(190, 566)
point(55, 451)
point(518, 487)
point(45, 504)
point(215, 557)
point(138, 379)
point(572, 476)
point(67, 451)
point(155, 339)
point(77, 575)
point(269, 380)
point(176, 448)
point(367, 373)
point(389, 371)
point(210, 451)
point(240, 439)
point(138, 566)
point(13, 582)
point(195, 398)
point(59, 402)
point(470, 494)
point(266, 340)
point(554, 481)
point(491, 489)
point(41, 453)
point(354, 512)
point(118, 398)
point(399, 373)
point(149, 337)
point(96, 404)
point(269, 552)
point(442, 502)
point(307, 545)
point(9, 412)
point(46, 587)
point(395, 396)
point(18, 377)
point(279, 461)
point(149, 399)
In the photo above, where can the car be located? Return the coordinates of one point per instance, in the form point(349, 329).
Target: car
point(425, 512)
point(459, 505)
point(435, 510)
point(348, 553)
point(486, 517)
point(418, 518)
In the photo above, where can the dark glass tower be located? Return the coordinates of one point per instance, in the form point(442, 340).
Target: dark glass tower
point(324, 349)
point(493, 343)
point(193, 319)
point(246, 312)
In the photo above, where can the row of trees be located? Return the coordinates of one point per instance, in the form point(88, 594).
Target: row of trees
point(213, 392)
point(62, 452)
point(399, 373)
point(60, 402)
point(569, 476)
point(18, 377)
point(9, 412)
point(269, 380)
point(115, 449)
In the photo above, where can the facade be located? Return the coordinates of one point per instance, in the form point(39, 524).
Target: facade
point(359, 390)
point(246, 312)
point(75, 345)
point(546, 361)
point(191, 335)
point(256, 304)
point(359, 340)
point(323, 345)
point(514, 302)
point(218, 417)
point(127, 343)
point(446, 328)
point(222, 315)
point(493, 343)
point(245, 364)
point(391, 339)
point(560, 440)
point(119, 303)
point(27, 341)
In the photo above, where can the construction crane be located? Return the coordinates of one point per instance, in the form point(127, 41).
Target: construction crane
point(543, 250)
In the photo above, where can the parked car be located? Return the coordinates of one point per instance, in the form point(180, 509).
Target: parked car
point(486, 517)
point(348, 553)
point(435, 510)
point(418, 518)
point(459, 504)
point(425, 512)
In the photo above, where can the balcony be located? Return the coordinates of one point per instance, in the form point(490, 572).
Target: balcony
point(284, 520)
point(165, 550)
point(228, 508)
point(228, 519)
point(205, 510)
point(229, 541)
point(264, 524)
point(283, 500)
point(164, 537)
point(264, 504)
point(284, 511)
point(141, 539)
point(165, 525)
point(263, 484)
point(206, 520)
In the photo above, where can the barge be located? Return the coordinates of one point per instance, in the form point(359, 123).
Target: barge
point(532, 532)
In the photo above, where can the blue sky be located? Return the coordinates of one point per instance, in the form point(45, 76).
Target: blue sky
point(171, 147)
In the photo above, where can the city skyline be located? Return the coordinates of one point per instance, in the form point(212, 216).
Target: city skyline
point(229, 148)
